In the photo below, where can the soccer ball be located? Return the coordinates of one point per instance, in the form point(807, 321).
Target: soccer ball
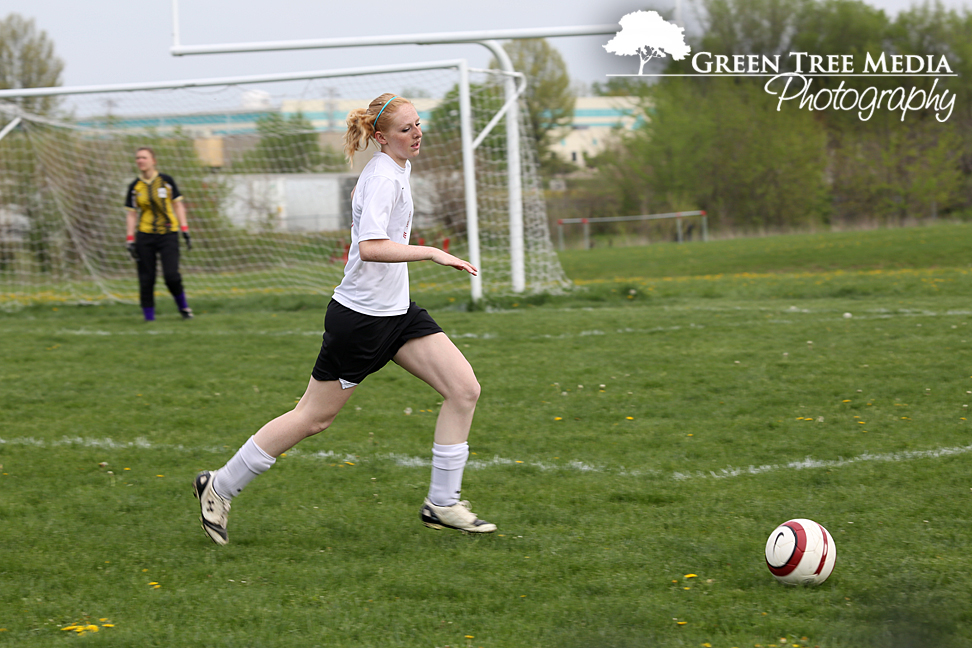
point(801, 552)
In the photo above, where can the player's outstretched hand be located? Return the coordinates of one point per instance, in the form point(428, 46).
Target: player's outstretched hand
point(444, 258)
point(188, 240)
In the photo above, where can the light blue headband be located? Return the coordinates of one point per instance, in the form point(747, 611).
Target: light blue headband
point(383, 109)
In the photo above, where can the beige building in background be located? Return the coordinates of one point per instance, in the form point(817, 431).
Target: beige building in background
point(595, 120)
point(220, 137)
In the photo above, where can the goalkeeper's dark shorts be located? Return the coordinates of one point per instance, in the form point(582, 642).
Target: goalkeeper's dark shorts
point(356, 345)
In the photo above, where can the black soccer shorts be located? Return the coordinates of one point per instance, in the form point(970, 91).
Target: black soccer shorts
point(356, 345)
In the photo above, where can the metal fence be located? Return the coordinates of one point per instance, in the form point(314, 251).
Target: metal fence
point(586, 222)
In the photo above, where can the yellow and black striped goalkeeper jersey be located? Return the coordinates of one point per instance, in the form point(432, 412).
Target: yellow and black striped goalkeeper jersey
point(153, 199)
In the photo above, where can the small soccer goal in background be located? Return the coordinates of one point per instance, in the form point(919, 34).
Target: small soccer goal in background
point(259, 162)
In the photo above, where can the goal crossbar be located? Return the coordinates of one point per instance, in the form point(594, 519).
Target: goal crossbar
point(234, 80)
point(441, 38)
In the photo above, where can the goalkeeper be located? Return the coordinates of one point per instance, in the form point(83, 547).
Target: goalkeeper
point(156, 214)
point(371, 320)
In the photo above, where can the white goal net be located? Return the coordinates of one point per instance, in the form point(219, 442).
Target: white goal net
point(264, 180)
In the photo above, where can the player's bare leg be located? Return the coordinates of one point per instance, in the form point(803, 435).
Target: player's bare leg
point(437, 361)
point(314, 413)
point(215, 489)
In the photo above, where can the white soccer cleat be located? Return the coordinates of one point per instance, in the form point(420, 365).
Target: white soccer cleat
point(458, 516)
point(214, 509)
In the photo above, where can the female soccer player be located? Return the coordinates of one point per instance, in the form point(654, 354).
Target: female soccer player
point(156, 214)
point(369, 321)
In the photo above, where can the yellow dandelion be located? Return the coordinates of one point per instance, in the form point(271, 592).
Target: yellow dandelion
point(470, 637)
point(70, 627)
point(629, 418)
point(104, 619)
point(691, 575)
point(107, 625)
point(91, 628)
point(349, 463)
point(706, 645)
point(160, 475)
point(681, 622)
point(558, 418)
point(157, 587)
point(153, 583)
point(519, 462)
point(845, 401)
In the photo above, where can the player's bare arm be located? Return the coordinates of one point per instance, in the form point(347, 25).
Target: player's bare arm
point(386, 251)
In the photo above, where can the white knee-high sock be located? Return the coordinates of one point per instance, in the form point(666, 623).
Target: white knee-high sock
point(249, 462)
point(448, 462)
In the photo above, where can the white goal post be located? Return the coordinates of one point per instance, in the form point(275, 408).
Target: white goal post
point(62, 176)
point(487, 38)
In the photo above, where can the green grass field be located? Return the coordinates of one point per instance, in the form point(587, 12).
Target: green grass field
point(636, 442)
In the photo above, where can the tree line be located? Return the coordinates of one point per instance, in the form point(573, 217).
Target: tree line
point(755, 163)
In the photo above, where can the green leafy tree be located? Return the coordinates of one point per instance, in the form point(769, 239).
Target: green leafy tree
point(840, 27)
point(442, 149)
point(885, 169)
point(931, 29)
point(751, 26)
point(620, 87)
point(27, 60)
point(288, 145)
point(486, 99)
point(717, 145)
point(549, 97)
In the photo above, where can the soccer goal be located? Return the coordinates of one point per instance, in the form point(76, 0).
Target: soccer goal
point(260, 165)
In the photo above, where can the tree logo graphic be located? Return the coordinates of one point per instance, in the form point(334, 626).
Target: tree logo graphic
point(648, 35)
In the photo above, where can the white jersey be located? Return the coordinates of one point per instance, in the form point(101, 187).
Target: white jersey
point(381, 208)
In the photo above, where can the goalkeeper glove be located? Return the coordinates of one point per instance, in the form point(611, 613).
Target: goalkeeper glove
point(130, 246)
point(187, 239)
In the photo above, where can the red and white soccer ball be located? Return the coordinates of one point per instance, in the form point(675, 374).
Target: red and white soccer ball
point(801, 552)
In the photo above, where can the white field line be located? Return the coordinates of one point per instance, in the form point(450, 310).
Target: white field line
point(218, 333)
point(810, 462)
point(870, 314)
point(476, 463)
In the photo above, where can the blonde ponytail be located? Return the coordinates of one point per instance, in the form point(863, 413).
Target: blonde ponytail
point(362, 123)
point(360, 131)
